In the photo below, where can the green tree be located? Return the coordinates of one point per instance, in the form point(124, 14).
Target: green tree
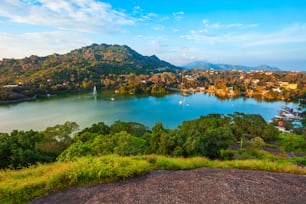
point(128, 144)
point(74, 151)
point(248, 126)
point(168, 143)
point(19, 149)
point(216, 140)
point(102, 145)
point(58, 138)
point(157, 132)
point(100, 128)
point(6, 143)
point(132, 128)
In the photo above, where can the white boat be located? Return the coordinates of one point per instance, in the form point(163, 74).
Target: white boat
point(182, 101)
point(112, 98)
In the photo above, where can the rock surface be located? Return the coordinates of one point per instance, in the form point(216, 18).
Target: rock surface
point(202, 185)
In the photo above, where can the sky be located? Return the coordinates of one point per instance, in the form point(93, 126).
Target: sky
point(242, 32)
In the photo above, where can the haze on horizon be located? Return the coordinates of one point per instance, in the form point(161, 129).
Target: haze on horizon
point(242, 32)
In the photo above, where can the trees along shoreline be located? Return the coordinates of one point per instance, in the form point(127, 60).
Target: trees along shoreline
point(214, 136)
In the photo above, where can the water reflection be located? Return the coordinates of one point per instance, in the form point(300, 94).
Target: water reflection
point(86, 109)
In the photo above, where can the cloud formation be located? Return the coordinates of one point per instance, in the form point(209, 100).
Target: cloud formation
point(295, 33)
point(78, 15)
point(178, 15)
point(48, 42)
point(209, 25)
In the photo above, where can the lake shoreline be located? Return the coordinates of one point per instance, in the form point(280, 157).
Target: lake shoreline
point(86, 109)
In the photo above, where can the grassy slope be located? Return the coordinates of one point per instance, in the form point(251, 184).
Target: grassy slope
point(23, 185)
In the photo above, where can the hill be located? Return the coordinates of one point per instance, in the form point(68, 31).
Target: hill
point(87, 62)
point(206, 65)
point(98, 64)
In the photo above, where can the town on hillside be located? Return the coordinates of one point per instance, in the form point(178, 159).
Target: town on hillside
point(262, 85)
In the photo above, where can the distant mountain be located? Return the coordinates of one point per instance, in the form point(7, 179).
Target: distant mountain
point(206, 65)
point(90, 61)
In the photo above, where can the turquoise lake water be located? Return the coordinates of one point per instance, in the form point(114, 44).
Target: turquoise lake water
point(87, 109)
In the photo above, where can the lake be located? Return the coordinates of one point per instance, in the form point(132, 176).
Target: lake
point(87, 109)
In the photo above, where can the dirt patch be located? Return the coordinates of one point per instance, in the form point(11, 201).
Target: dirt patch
point(203, 185)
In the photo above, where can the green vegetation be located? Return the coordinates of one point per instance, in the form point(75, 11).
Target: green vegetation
point(24, 148)
point(23, 185)
point(215, 136)
point(292, 142)
point(103, 153)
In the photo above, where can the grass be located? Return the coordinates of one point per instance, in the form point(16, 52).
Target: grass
point(24, 185)
point(20, 186)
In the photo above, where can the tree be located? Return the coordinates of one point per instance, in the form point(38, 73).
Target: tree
point(75, 150)
point(5, 150)
point(19, 149)
point(132, 128)
point(157, 132)
point(217, 139)
point(58, 138)
point(128, 144)
point(168, 142)
point(100, 128)
point(248, 126)
point(270, 133)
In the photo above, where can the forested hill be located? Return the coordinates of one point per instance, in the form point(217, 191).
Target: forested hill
point(93, 60)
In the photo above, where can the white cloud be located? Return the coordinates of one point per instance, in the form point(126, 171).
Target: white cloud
point(149, 45)
point(209, 25)
point(178, 15)
point(42, 43)
point(181, 55)
point(78, 15)
point(202, 36)
point(249, 47)
point(139, 15)
point(234, 25)
point(292, 34)
point(148, 17)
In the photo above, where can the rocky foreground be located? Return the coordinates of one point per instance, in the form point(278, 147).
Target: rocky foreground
point(203, 185)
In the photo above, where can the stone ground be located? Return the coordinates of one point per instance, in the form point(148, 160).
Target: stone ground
point(202, 185)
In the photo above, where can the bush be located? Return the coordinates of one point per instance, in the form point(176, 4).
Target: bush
point(299, 160)
point(78, 149)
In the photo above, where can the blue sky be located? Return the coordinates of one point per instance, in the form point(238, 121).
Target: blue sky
point(247, 32)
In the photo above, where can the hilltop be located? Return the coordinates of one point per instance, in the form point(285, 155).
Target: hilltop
point(87, 62)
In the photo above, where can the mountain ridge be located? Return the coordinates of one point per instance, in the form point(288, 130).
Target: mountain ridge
point(207, 65)
point(95, 59)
